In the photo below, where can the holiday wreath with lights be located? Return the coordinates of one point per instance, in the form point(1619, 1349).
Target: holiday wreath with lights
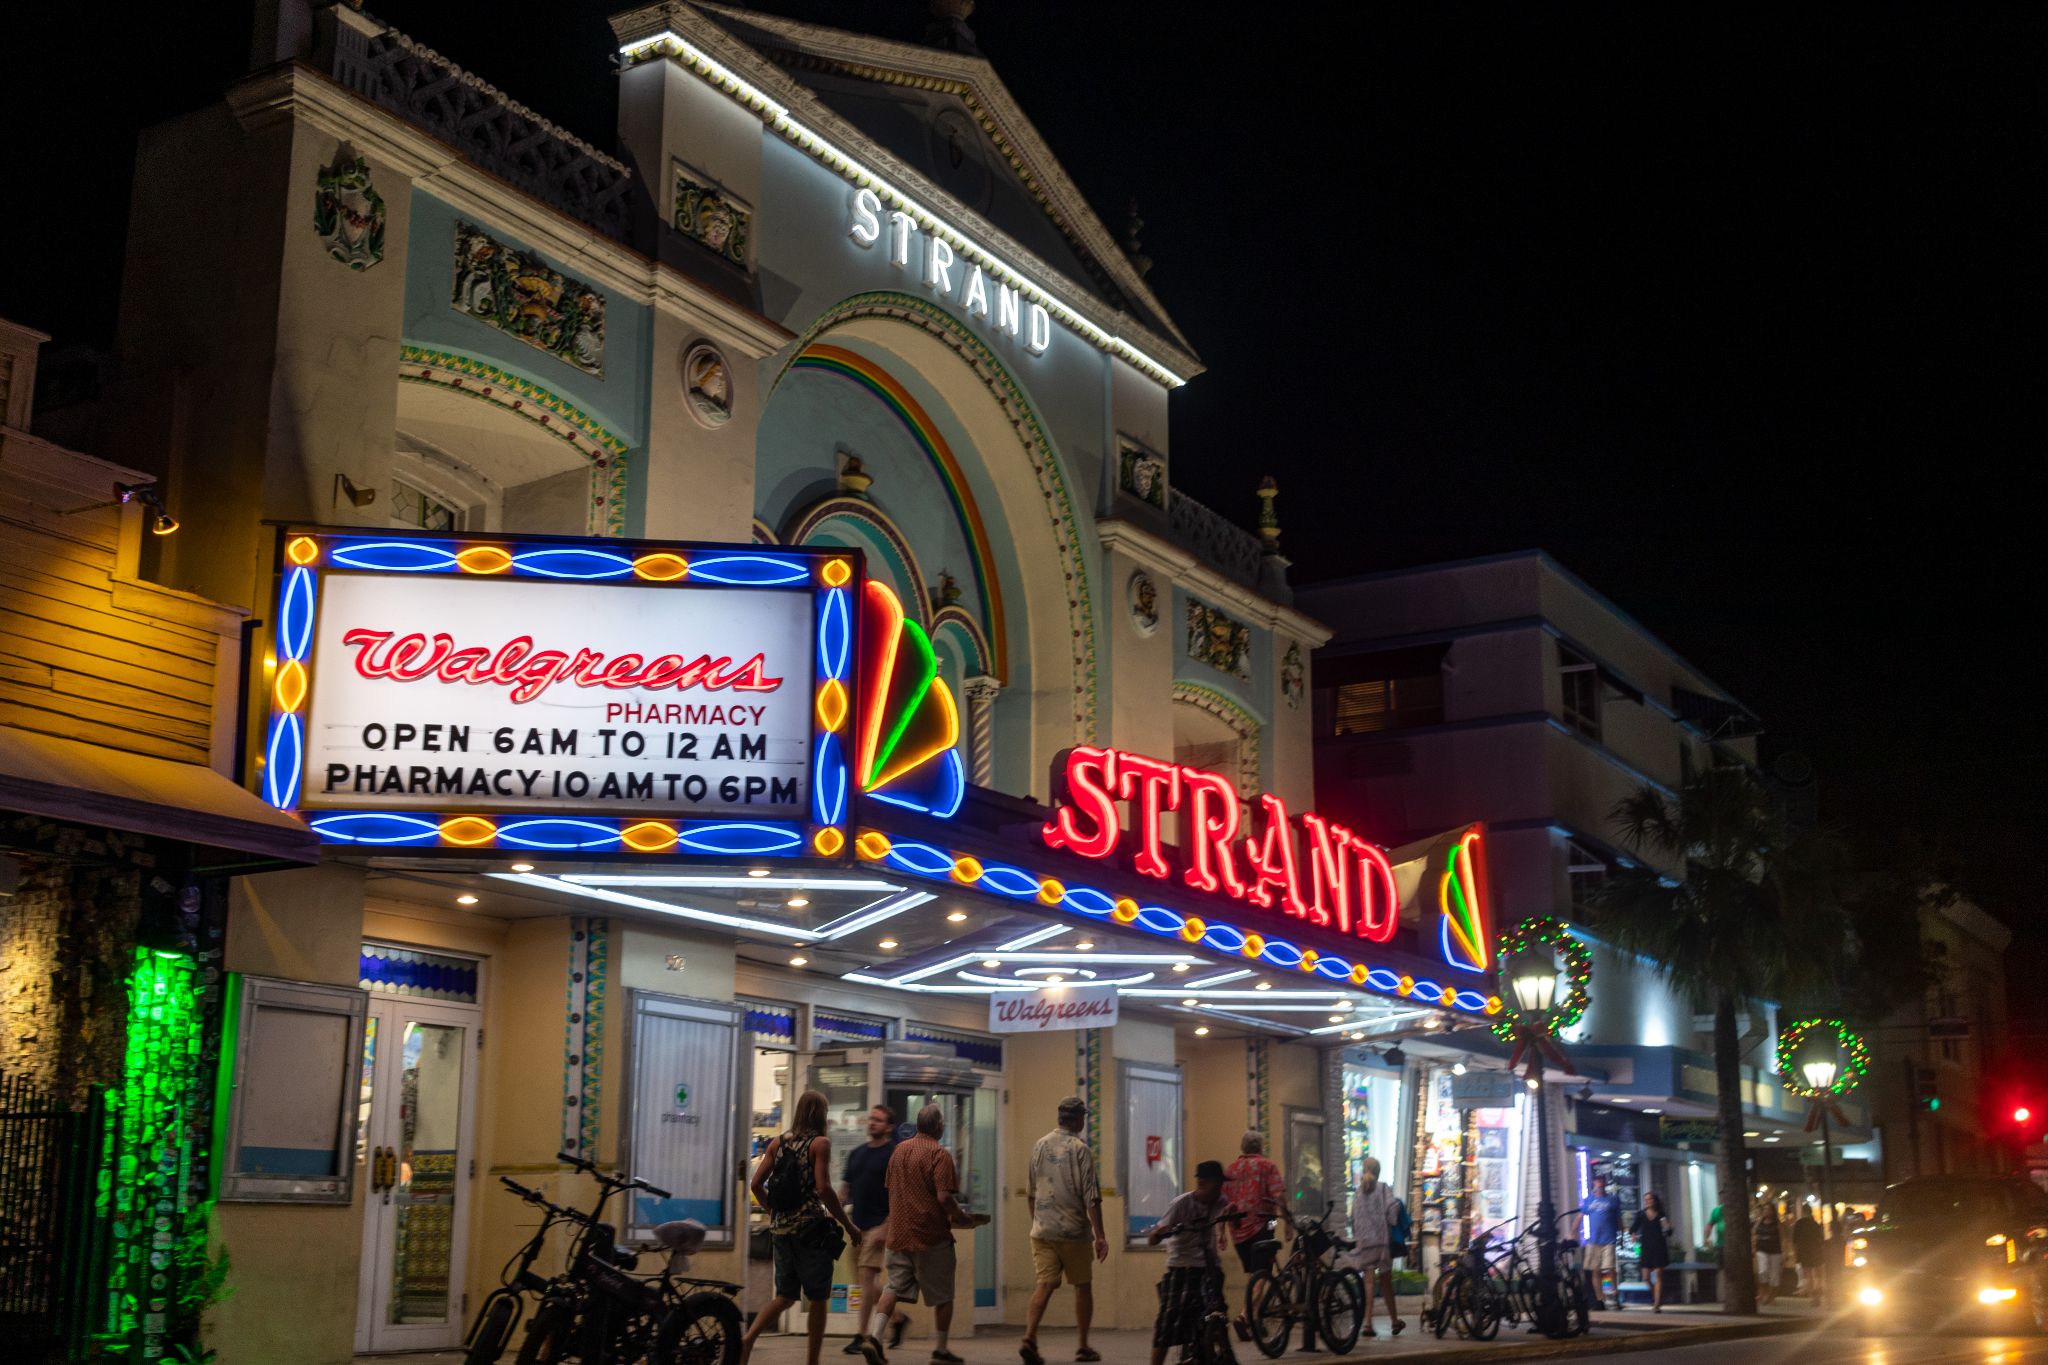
point(1546, 931)
point(1851, 1052)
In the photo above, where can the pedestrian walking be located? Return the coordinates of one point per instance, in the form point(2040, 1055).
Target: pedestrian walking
point(1252, 1186)
point(806, 1222)
point(1770, 1252)
point(1653, 1232)
point(1193, 1284)
point(924, 1208)
point(1603, 1220)
point(1373, 1213)
point(864, 1189)
point(1065, 1200)
point(1807, 1249)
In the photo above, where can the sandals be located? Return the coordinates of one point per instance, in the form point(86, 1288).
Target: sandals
point(1028, 1349)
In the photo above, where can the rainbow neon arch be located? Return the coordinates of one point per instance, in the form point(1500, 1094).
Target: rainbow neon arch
point(905, 740)
point(1464, 928)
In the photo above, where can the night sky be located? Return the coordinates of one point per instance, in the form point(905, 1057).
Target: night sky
point(1737, 312)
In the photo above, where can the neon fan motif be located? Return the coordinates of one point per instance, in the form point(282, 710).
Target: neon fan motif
point(1461, 898)
point(905, 736)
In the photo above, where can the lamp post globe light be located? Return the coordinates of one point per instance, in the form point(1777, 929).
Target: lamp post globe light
point(1830, 1060)
point(1532, 977)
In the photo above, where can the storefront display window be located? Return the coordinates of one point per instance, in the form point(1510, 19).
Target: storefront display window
point(682, 1065)
point(1152, 1157)
point(1304, 1163)
point(1371, 1105)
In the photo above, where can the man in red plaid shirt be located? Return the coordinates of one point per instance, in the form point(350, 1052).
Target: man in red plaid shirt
point(1252, 1186)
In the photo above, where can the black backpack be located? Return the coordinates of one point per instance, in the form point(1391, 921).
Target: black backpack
point(789, 1180)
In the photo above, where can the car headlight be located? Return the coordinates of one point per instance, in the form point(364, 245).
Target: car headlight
point(1870, 1296)
point(1859, 1244)
point(1996, 1239)
point(1859, 1261)
point(2001, 1295)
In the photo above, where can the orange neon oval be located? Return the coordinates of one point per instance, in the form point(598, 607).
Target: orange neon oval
point(967, 869)
point(832, 705)
point(649, 836)
point(1358, 975)
point(872, 845)
point(1309, 957)
point(302, 550)
point(836, 573)
point(828, 841)
point(1254, 945)
point(1051, 892)
point(484, 559)
point(291, 685)
point(661, 566)
point(1193, 930)
point(1124, 911)
point(468, 831)
point(1406, 985)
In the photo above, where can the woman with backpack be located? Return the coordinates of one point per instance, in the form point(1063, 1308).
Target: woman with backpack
point(807, 1223)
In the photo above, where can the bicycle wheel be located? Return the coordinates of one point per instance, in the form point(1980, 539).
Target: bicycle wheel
point(1482, 1304)
point(1270, 1311)
point(1578, 1307)
point(1437, 1315)
point(1212, 1342)
point(1340, 1310)
point(493, 1329)
point(550, 1332)
point(704, 1329)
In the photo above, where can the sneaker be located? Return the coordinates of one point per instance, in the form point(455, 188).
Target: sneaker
point(944, 1357)
point(872, 1349)
point(897, 1326)
point(1028, 1349)
point(1087, 1353)
point(852, 1347)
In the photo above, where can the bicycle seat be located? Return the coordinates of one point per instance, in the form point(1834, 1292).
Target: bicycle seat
point(680, 1239)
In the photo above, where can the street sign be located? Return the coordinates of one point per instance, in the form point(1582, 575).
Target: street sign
point(1484, 1089)
point(1678, 1129)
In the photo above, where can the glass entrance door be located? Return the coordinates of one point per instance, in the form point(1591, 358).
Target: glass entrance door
point(850, 1079)
point(419, 1088)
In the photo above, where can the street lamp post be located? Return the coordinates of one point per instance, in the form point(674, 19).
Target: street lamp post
point(1533, 978)
point(1831, 1060)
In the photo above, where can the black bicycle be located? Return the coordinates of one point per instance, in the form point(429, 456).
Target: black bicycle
point(506, 1305)
point(1306, 1288)
point(600, 1313)
point(1211, 1343)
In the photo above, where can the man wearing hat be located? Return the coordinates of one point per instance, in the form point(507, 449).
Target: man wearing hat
point(1194, 1274)
point(1065, 1200)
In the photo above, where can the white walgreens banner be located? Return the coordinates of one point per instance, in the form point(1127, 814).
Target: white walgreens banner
point(511, 694)
point(1055, 1007)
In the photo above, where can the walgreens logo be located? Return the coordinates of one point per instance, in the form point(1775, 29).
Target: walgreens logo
point(529, 671)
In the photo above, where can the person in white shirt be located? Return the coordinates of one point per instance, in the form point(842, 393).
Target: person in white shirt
point(1194, 1274)
point(1373, 1213)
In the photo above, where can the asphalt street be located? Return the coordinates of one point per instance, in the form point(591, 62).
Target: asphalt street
point(1826, 1348)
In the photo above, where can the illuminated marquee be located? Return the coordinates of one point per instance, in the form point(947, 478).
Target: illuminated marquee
point(1320, 872)
point(569, 696)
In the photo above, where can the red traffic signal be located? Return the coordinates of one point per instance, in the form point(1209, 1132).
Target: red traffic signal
point(2022, 1114)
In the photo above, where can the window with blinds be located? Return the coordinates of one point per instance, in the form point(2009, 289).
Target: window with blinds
point(1581, 679)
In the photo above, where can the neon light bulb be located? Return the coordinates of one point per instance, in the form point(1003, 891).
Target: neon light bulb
point(1213, 818)
point(1154, 787)
point(1329, 871)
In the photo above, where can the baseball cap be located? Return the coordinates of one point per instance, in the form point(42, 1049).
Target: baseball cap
point(1209, 1170)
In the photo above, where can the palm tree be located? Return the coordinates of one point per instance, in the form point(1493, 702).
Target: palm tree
point(1750, 920)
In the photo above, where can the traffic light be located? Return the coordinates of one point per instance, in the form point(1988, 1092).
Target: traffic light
point(1926, 1084)
point(2021, 1114)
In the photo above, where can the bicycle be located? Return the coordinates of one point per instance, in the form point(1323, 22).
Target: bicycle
point(1211, 1343)
point(503, 1308)
point(1329, 1300)
point(1462, 1295)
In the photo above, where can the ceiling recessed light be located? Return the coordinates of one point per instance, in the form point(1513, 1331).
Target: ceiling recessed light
point(1457, 1068)
point(522, 867)
point(798, 961)
point(1336, 1018)
point(1772, 1138)
point(797, 902)
point(990, 963)
point(1752, 1133)
point(1084, 945)
point(956, 917)
point(757, 872)
point(1263, 986)
point(1202, 1032)
point(1191, 1001)
point(1055, 979)
point(888, 943)
point(1356, 1037)
point(1653, 1111)
point(465, 899)
point(1180, 966)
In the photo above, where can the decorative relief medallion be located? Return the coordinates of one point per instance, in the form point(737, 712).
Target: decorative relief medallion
point(1142, 475)
point(1143, 595)
point(520, 294)
point(707, 383)
point(348, 213)
point(711, 218)
point(1219, 641)
point(1293, 677)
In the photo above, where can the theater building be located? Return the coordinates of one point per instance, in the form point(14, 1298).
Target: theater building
point(727, 613)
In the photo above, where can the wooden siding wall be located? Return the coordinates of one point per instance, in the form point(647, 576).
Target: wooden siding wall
point(87, 651)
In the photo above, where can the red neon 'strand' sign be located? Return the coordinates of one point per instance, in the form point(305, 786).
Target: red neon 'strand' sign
point(1347, 885)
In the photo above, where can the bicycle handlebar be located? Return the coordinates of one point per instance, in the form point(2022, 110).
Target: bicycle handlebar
point(617, 1182)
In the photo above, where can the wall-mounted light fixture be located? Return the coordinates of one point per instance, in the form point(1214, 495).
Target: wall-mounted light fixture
point(162, 523)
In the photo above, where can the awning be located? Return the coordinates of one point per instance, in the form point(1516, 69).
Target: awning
point(65, 779)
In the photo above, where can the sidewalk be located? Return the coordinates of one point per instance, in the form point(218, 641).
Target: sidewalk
point(1637, 1329)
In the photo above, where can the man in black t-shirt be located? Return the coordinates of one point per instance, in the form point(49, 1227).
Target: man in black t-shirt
point(865, 1192)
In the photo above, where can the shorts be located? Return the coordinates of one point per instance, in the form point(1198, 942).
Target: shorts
point(874, 1248)
point(1599, 1258)
point(1256, 1254)
point(803, 1262)
point(1185, 1295)
point(922, 1276)
point(1770, 1268)
point(1368, 1259)
point(1051, 1261)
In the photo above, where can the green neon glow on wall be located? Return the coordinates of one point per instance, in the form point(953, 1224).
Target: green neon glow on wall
point(157, 1121)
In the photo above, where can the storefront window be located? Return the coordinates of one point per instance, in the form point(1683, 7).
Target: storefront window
point(1371, 1105)
point(683, 1062)
point(1303, 1160)
point(1152, 1156)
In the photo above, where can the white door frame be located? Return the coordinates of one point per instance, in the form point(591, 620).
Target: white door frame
point(373, 1330)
